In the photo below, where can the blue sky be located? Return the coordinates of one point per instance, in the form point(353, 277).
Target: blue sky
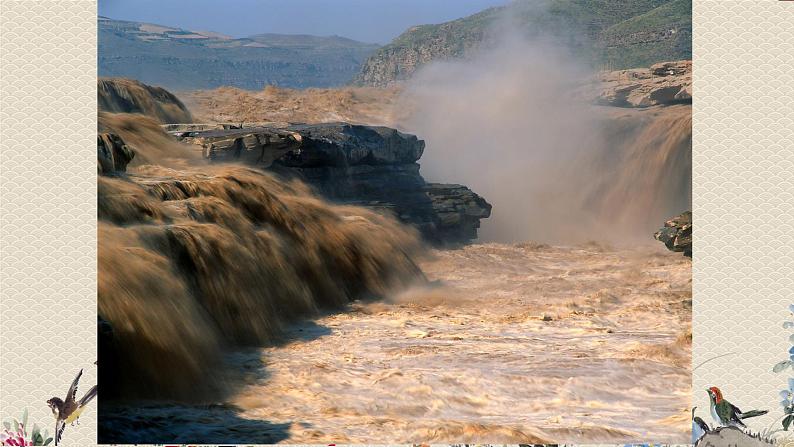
point(376, 21)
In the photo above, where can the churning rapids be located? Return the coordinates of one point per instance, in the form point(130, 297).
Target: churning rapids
point(509, 343)
point(520, 344)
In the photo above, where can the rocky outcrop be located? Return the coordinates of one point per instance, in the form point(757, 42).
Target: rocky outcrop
point(342, 144)
point(368, 166)
point(253, 146)
point(377, 166)
point(119, 95)
point(183, 129)
point(732, 437)
point(112, 154)
point(661, 84)
point(458, 210)
point(677, 234)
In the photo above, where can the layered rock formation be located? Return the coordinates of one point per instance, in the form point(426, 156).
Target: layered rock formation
point(677, 234)
point(254, 146)
point(663, 83)
point(457, 210)
point(370, 166)
point(119, 95)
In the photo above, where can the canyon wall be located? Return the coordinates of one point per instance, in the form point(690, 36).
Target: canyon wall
point(613, 34)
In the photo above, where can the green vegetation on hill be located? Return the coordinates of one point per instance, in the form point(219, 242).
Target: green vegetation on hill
point(607, 34)
point(467, 26)
point(180, 59)
point(661, 34)
point(672, 13)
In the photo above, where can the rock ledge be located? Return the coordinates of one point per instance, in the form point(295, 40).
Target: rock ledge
point(371, 166)
point(677, 234)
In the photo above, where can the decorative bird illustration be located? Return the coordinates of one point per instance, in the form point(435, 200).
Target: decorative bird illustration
point(699, 427)
point(68, 411)
point(727, 414)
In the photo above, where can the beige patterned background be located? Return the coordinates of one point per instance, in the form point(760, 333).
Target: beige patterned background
point(743, 201)
point(47, 207)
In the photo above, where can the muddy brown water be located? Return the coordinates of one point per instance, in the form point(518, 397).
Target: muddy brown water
point(513, 344)
point(510, 343)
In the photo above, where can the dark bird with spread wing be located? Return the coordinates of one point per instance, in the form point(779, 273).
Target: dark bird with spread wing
point(68, 411)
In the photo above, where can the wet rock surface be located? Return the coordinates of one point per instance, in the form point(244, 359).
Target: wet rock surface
point(677, 234)
point(113, 155)
point(458, 210)
point(370, 166)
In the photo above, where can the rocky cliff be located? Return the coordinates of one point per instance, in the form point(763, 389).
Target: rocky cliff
point(676, 234)
point(120, 95)
point(614, 34)
point(113, 155)
point(662, 84)
point(369, 166)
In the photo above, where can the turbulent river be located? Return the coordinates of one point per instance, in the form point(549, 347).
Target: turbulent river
point(511, 343)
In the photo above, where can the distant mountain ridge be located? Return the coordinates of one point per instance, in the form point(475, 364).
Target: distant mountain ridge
point(612, 34)
point(180, 59)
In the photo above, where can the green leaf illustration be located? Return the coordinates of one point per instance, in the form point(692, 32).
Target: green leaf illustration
point(7, 425)
point(781, 366)
point(787, 421)
point(48, 441)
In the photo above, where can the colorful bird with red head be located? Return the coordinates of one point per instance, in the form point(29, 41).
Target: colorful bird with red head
point(727, 414)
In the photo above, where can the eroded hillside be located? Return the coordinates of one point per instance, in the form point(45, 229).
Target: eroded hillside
point(614, 34)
